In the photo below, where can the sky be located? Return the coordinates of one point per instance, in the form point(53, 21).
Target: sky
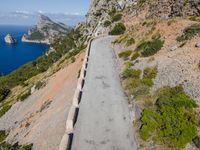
point(26, 12)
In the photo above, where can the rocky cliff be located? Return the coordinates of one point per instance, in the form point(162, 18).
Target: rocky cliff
point(163, 36)
point(100, 11)
point(46, 31)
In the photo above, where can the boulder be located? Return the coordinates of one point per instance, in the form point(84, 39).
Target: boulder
point(197, 44)
point(173, 48)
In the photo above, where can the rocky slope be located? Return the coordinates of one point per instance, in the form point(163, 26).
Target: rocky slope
point(46, 31)
point(172, 28)
point(171, 8)
point(99, 12)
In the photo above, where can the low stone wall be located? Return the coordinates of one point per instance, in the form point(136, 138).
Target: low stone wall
point(67, 138)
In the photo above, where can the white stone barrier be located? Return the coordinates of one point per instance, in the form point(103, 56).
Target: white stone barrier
point(67, 138)
point(64, 142)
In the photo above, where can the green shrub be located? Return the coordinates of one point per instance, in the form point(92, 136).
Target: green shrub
point(133, 83)
point(107, 23)
point(168, 121)
point(135, 56)
point(175, 97)
point(37, 35)
point(150, 73)
point(40, 84)
point(116, 17)
point(189, 33)
point(16, 146)
point(112, 12)
point(130, 73)
point(194, 18)
point(4, 109)
point(137, 86)
point(130, 42)
point(125, 54)
point(149, 48)
point(150, 122)
point(140, 90)
point(3, 93)
point(3, 135)
point(118, 29)
point(25, 95)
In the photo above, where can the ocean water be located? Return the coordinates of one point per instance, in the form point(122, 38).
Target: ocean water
point(12, 56)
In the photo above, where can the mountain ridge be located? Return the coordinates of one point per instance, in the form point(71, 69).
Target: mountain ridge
point(46, 31)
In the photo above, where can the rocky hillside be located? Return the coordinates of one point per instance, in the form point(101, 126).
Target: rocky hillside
point(46, 30)
point(35, 94)
point(170, 8)
point(158, 52)
point(100, 14)
point(101, 11)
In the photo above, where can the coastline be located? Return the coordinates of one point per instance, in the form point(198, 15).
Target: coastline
point(36, 41)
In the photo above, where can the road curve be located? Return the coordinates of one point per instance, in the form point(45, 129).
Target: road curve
point(104, 121)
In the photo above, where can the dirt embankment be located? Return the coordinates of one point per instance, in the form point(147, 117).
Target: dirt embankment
point(41, 118)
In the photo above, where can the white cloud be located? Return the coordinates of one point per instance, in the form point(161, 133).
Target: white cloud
point(76, 14)
point(31, 18)
point(41, 12)
point(22, 12)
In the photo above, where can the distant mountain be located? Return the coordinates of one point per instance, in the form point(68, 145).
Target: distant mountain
point(46, 31)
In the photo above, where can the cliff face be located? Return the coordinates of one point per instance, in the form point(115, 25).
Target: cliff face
point(99, 12)
point(46, 30)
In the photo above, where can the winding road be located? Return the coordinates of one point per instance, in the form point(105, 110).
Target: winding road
point(104, 121)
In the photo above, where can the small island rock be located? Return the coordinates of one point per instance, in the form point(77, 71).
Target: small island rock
point(9, 39)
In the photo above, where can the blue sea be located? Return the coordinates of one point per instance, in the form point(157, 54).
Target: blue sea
point(12, 56)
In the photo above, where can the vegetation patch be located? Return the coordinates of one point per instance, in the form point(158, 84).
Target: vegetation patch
point(6, 146)
point(130, 42)
point(117, 17)
point(171, 120)
point(149, 48)
point(107, 23)
point(131, 73)
point(189, 33)
point(137, 85)
point(24, 95)
point(194, 18)
point(125, 54)
point(118, 29)
point(4, 91)
point(135, 56)
point(40, 85)
point(4, 109)
point(112, 12)
point(3, 135)
point(37, 35)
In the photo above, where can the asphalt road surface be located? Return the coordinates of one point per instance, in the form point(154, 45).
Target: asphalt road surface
point(104, 121)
